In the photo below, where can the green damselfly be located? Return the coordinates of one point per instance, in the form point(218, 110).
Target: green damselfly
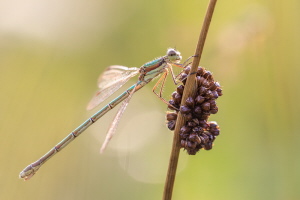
point(109, 82)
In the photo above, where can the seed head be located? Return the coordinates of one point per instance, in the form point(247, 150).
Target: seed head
point(197, 133)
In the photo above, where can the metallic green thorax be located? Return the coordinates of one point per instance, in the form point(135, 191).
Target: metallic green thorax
point(155, 67)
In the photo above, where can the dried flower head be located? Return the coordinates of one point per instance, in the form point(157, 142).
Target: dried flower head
point(197, 133)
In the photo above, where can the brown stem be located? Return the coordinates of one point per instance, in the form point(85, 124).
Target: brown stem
point(188, 91)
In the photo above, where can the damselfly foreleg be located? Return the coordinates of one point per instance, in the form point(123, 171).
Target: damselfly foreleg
point(160, 83)
point(183, 65)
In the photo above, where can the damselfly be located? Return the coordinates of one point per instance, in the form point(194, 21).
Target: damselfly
point(109, 82)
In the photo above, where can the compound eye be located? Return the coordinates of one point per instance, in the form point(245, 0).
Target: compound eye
point(172, 52)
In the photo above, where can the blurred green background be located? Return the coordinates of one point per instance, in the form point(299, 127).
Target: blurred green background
point(52, 52)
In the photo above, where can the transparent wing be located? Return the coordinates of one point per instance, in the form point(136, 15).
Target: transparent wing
point(115, 122)
point(110, 81)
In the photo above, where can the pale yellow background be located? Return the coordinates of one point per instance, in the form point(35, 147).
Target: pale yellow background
point(51, 53)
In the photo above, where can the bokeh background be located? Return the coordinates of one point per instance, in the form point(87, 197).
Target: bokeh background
point(52, 52)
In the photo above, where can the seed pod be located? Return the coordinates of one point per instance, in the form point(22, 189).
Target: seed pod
point(183, 143)
point(187, 70)
point(177, 98)
point(205, 106)
point(213, 125)
point(215, 94)
point(185, 129)
point(204, 138)
point(215, 132)
point(214, 110)
point(171, 125)
point(191, 144)
point(204, 125)
point(202, 81)
point(199, 99)
point(190, 102)
point(183, 77)
point(205, 115)
point(207, 75)
point(210, 136)
point(200, 71)
point(203, 122)
point(180, 89)
point(219, 90)
point(206, 83)
point(195, 138)
point(171, 116)
point(192, 151)
point(213, 103)
point(196, 120)
point(191, 124)
point(209, 94)
point(172, 105)
point(188, 116)
point(198, 129)
point(213, 86)
point(173, 94)
point(202, 90)
point(213, 137)
point(208, 146)
point(184, 135)
point(198, 110)
point(185, 109)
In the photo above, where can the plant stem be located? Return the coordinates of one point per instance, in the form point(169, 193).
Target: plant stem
point(188, 91)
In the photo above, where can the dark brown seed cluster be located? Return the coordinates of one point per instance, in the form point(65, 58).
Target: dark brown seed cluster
point(197, 133)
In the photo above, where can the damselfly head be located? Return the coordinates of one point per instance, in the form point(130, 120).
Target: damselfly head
point(173, 55)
